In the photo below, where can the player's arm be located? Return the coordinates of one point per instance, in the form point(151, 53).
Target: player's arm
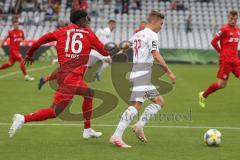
point(49, 37)
point(98, 45)
point(154, 49)
point(215, 44)
point(159, 59)
point(2, 41)
point(216, 39)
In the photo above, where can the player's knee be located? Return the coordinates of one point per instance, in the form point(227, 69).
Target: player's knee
point(159, 100)
point(222, 85)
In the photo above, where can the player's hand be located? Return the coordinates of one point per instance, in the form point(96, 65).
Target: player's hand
point(28, 61)
point(172, 76)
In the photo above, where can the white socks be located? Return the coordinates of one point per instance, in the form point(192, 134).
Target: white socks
point(149, 112)
point(127, 117)
point(103, 66)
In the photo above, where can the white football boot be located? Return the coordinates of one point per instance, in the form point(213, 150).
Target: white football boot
point(90, 133)
point(18, 121)
point(28, 78)
point(119, 142)
point(138, 130)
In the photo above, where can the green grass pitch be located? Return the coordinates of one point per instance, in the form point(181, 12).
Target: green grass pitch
point(168, 139)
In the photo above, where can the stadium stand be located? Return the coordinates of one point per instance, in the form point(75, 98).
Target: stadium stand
point(206, 16)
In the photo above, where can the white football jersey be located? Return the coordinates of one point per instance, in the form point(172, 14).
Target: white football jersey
point(104, 35)
point(144, 42)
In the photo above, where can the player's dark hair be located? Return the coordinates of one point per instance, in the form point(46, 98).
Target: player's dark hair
point(79, 16)
point(155, 14)
point(111, 21)
point(233, 13)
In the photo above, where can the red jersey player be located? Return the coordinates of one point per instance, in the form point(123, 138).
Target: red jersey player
point(73, 46)
point(228, 36)
point(16, 36)
point(142, 25)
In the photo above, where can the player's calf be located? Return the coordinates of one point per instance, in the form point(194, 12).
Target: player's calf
point(6, 65)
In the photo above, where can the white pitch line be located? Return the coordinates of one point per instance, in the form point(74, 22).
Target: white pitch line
point(17, 72)
point(112, 125)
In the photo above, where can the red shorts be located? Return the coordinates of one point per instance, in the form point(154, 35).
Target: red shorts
point(226, 68)
point(70, 84)
point(15, 56)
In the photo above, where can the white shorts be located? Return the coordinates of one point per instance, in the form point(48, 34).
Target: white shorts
point(143, 89)
point(95, 56)
point(142, 93)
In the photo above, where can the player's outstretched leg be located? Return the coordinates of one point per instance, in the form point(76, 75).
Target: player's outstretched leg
point(126, 118)
point(149, 112)
point(6, 65)
point(88, 132)
point(24, 72)
point(100, 70)
point(211, 89)
point(42, 81)
point(40, 115)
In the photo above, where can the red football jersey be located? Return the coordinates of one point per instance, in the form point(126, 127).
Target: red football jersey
point(229, 38)
point(73, 46)
point(16, 37)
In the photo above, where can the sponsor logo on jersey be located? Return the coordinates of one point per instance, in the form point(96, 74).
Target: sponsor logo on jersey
point(233, 40)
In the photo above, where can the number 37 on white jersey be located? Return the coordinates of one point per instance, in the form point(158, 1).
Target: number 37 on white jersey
point(144, 42)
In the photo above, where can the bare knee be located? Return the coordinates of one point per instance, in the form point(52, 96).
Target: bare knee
point(159, 100)
point(137, 105)
point(222, 85)
point(10, 63)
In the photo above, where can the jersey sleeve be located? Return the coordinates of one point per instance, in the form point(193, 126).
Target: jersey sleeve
point(221, 32)
point(153, 43)
point(49, 37)
point(98, 45)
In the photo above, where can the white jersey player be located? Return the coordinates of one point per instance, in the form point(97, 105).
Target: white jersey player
point(145, 51)
point(105, 36)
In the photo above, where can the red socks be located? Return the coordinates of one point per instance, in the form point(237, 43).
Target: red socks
point(48, 113)
point(23, 69)
point(40, 115)
point(3, 66)
point(6, 65)
point(212, 88)
point(87, 111)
